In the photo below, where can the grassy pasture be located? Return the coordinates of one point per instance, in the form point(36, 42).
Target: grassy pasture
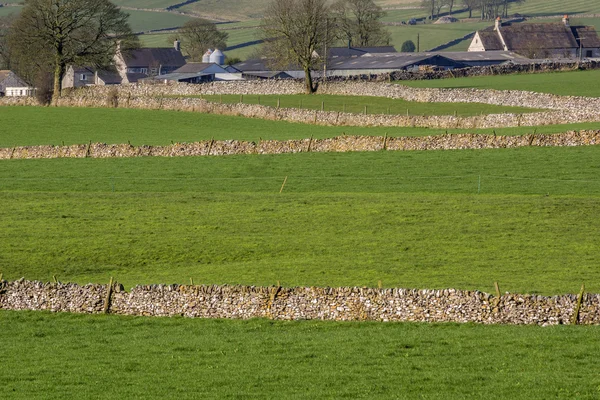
point(229, 9)
point(342, 219)
point(432, 35)
point(13, 10)
point(572, 83)
point(146, 3)
point(374, 105)
point(141, 21)
point(555, 7)
point(29, 126)
point(65, 356)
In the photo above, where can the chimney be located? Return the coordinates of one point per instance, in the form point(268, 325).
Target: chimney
point(177, 45)
point(498, 24)
point(566, 20)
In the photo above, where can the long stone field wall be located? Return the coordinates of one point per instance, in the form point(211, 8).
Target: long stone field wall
point(302, 303)
point(336, 144)
point(551, 109)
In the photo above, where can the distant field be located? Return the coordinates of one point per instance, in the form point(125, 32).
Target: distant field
point(374, 105)
point(229, 9)
point(342, 220)
point(39, 125)
point(146, 3)
point(573, 83)
point(4, 11)
point(247, 32)
point(104, 357)
point(141, 21)
point(556, 7)
point(432, 35)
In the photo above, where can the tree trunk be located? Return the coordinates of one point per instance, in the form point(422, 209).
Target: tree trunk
point(308, 81)
point(59, 71)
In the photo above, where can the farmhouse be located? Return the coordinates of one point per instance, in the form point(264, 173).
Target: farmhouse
point(87, 76)
point(12, 85)
point(146, 62)
point(552, 40)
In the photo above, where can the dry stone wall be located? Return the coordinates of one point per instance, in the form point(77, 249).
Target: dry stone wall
point(302, 303)
point(336, 144)
point(559, 109)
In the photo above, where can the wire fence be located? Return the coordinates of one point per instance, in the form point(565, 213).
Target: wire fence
point(468, 184)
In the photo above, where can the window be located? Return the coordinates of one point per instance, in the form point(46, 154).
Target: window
point(589, 53)
point(82, 77)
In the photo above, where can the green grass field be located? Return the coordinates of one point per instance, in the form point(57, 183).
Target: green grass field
point(229, 9)
point(97, 357)
point(573, 83)
point(374, 105)
point(141, 21)
point(239, 33)
point(342, 219)
point(30, 126)
point(432, 35)
point(14, 10)
point(149, 4)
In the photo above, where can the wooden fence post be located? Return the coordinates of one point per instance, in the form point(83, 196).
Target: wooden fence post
point(108, 295)
point(284, 181)
point(575, 318)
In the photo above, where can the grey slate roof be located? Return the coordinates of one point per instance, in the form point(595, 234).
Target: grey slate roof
point(589, 36)
point(526, 36)
point(10, 79)
point(490, 40)
point(144, 57)
point(358, 51)
point(388, 61)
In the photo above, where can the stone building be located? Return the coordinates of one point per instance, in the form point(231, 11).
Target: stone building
point(13, 86)
point(147, 62)
point(550, 40)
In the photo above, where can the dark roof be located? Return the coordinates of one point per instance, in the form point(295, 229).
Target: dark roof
point(134, 77)
point(494, 55)
point(252, 65)
point(268, 75)
point(533, 36)
point(392, 61)
point(110, 77)
point(490, 40)
point(145, 57)
point(10, 79)
point(358, 51)
point(194, 67)
point(588, 35)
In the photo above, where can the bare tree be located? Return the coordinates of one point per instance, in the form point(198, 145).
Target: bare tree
point(471, 5)
point(359, 22)
point(197, 36)
point(450, 4)
point(295, 31)
point(59, 33)
point(431, 6)
point(4, 49)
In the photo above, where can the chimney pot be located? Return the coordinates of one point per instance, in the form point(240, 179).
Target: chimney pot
point(498, 24)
